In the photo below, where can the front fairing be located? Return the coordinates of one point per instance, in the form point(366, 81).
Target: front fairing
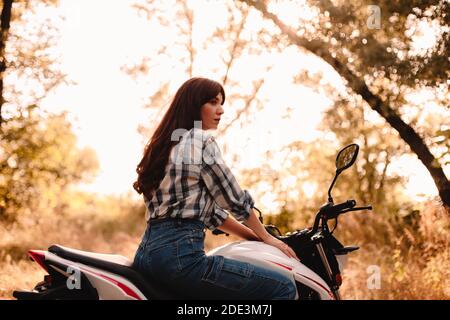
point(306, 249)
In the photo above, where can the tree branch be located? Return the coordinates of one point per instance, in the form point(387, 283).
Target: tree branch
point(248, 102)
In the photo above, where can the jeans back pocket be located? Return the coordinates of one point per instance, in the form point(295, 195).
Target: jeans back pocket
point(190, 250)
point(228, 273)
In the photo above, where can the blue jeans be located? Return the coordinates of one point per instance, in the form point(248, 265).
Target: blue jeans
point(172, 254)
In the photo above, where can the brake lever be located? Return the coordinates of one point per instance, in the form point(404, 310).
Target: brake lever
point(356, 209)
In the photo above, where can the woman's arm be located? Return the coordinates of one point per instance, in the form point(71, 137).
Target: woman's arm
point(226, 192)
point(232, 226)
point(257, 227)
point(222, 185)
point(256, 232)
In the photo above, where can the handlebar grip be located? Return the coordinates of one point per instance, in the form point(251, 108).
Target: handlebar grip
point(364, 208)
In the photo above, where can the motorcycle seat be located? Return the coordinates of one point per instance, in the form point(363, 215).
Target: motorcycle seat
point(114, 258)
point(117, 265)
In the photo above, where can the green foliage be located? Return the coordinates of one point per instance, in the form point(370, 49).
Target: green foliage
point(387, 50)
point(39, 158)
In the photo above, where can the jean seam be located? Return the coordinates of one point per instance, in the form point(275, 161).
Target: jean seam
point(246, 272)
point(267, 277)
point(177, 257)
point(160, 247)
point(219, 267)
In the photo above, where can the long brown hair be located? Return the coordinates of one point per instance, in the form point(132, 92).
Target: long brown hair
point(182, 112)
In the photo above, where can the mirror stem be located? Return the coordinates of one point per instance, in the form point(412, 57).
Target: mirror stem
point(330, 198)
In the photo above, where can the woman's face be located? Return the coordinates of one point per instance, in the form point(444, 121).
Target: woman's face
point(211, 113)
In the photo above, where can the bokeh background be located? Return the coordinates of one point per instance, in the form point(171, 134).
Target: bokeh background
point(84, 83)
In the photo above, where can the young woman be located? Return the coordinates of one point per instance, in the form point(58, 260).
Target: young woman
point(186, 188)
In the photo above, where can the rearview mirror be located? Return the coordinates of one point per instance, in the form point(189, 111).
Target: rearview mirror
point(346, 157)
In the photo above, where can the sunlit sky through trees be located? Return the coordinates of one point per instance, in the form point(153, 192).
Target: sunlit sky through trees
point(99, 37)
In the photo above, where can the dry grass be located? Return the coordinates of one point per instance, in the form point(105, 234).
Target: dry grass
point(413, 257)
point(22, 274)
point(108, 225)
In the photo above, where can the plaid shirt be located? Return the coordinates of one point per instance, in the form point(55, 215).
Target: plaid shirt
point(198, 184)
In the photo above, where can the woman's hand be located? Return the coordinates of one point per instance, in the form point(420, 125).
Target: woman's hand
point(265, 236)
point(281, 245)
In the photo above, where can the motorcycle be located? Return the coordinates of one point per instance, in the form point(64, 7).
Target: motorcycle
point(74, 274)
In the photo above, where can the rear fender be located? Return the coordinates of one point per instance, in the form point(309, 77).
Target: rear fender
point(109, 286)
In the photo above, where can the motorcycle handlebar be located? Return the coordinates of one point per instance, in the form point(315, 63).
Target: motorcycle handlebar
point(329, 211)
point(333, 211)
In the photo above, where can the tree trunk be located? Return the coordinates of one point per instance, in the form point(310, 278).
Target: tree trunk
point(5, 22)
point(358, 85)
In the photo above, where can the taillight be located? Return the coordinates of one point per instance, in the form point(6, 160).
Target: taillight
point(338, 279)
point(39, 257)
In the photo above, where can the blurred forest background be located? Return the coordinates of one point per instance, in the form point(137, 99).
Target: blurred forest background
point(383, 70)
